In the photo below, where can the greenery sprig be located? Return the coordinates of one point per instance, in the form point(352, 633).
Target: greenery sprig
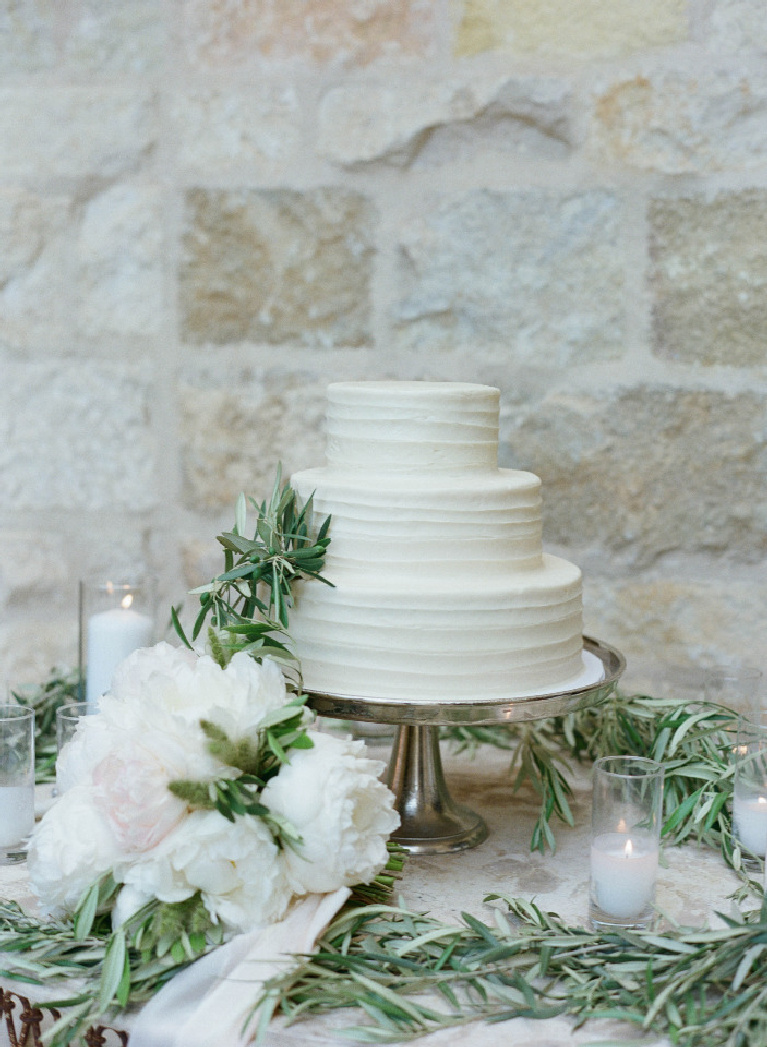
point(247, 606)
point(258, 759)
point(101, 971)
point(410, 974)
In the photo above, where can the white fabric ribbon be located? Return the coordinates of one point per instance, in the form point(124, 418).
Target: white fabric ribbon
point(208, 1004)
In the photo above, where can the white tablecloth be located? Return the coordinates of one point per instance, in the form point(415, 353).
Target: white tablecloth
point(693, 885)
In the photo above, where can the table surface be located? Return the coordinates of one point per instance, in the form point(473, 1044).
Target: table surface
point(693, 884)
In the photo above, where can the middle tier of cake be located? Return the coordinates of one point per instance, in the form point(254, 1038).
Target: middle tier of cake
point(418, 529)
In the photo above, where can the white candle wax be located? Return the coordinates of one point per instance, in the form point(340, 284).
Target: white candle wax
point(623, 872)
point(750, 816)
point(17, 814)
point(112, 636)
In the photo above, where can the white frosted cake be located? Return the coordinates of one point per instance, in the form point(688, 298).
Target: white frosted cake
point(441, 588)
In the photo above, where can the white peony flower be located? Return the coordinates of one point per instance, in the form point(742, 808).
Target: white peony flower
point(149, 748)
point(70, 848)
point(331, 794)
point(236, 867)
point(252, 691)
point(91, 742)
point(175, 681)
point(172, 664)
point(131, 791)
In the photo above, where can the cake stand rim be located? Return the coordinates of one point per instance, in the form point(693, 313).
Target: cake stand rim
point(481, 711)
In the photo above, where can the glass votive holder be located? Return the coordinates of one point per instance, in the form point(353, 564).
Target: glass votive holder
point(738, 687)
point(625, 841)
point(114, 622)
point(17, 781)
point(749, 803)
point(67, 719)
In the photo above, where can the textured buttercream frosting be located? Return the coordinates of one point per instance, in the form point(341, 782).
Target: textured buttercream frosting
point(441, 589)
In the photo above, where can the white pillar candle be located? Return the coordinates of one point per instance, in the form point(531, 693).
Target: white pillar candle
point(17, 814)
point(112, 636)
point(750, 816)
point(623, 872)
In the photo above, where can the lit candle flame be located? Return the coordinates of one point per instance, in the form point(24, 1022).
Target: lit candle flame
point(628, 849)
point(762, 799)
point(126, 601)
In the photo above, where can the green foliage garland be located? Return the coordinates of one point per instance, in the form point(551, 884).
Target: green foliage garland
point(694, 742)
point(410, 974)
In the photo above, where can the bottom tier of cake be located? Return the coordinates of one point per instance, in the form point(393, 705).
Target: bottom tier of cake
point(520, 635)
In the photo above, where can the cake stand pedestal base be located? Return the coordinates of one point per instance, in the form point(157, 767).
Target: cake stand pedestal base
point(431, 822)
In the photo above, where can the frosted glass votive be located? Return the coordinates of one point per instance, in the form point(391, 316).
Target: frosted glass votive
point(749, 803)
point(67, 719)
point(17, 781)
point(625, 841)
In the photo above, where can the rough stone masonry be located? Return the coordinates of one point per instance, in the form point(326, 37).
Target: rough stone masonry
point(211, 208)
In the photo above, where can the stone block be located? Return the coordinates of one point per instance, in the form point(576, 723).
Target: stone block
point(277, 266)
point(590, 28)
point(129, 36)
point(676, 622)
point(222, 32)
point(118, 259)
point(33, 566)
point(237, 425)
point(646, 474)
point(35, 293)
point(73, 132)
point(74, 437)
point(252, 128)
point(397, 121)
point(679, 122)
point(709, 278)
point(735, 26)
point(536, 275)
point(27, 35)
point(30, 649)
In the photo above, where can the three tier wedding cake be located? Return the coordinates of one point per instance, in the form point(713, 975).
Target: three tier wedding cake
point(441, 588)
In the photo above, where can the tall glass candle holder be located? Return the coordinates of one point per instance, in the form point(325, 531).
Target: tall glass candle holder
point(625, 840)
point(114, 622)
point(749, 804)
point(17, 781)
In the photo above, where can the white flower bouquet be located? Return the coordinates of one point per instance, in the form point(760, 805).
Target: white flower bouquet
point(204, 830)
point(197, 804)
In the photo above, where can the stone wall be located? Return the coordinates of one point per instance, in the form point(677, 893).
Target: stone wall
point(211, 208)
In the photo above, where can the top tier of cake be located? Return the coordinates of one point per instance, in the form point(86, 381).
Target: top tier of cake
point(412, 427)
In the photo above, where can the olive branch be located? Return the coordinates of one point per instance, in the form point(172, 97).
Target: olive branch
point(247, 605)
point(410, 974)
point(693, 741)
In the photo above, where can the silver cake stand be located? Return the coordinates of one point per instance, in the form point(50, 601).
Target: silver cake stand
point(432, 823)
